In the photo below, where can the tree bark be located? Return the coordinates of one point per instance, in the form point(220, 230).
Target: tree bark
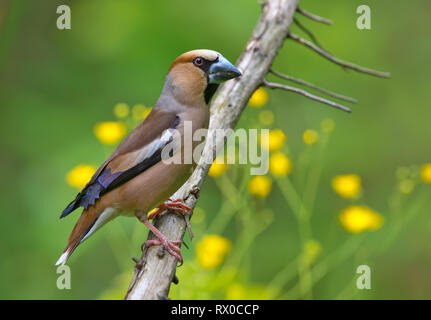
point(155, 271)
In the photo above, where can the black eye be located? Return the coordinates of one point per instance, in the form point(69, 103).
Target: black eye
point(198, 61)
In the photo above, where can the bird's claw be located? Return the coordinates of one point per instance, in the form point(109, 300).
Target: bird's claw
point(171, 246)
point(177, 205)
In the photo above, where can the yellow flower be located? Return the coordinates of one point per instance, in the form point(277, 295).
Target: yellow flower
point(140, 112)
point(121, 110)
point(426, 173)
point(259, 186)
point(147, 112)
point(328, 125)
point(279, 164)
point(266, 117)
point(312, 250)
point(310, 136)
point(79, 176)
point(273, 141)
point(212, 250)
point(406, 186)
point(236, 291)
point(356, 219)
point(110, 132)
point(259, 98)
point(347, 186)
point(218, 167)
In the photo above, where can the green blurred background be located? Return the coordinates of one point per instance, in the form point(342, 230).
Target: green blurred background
point(55, 85)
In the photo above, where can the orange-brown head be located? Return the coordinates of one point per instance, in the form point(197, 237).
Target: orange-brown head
point(195, 75)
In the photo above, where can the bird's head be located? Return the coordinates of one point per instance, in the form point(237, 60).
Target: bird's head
point(195, 75)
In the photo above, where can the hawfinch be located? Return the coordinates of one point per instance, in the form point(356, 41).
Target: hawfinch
point(135, 178)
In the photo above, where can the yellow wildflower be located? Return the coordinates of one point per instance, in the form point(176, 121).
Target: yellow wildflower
point(79, 176)
point(110, 132)
point(266, 117)
point(406, 186)
point(212, 250)
point(235, 291)
point(140, 112)
point(310, 136)
point(238, 291)
point(426, 173)
point(279, 164)
point(121, 110)
point(259, 98)
point(147, 112)
point(218, 167)
point(328, 125)
point(273, 140)
point(312, 250)
point(356, 219)
point(347, 186)
point(259, 186)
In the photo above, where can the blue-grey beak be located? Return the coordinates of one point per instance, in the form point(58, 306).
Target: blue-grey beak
point(222, 70)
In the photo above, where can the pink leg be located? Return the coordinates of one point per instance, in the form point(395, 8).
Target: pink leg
point(172, 246)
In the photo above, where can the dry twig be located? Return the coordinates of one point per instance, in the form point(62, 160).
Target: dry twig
point(308, 32)
point(310, 85)
point(335, 60)
point(304, 93)
point(313, 16)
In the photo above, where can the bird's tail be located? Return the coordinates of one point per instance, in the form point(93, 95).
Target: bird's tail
point(90, 220)
point(67, 252)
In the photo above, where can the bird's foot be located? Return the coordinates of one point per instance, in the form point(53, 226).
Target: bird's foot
point(171, 246)
point(177, 205)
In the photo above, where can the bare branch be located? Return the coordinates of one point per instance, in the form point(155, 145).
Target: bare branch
point(308, 32)
point(335, 60)
point(273, 85)
point(310, 85)
point(313, 16)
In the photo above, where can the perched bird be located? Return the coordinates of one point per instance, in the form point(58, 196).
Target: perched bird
point(134, 179)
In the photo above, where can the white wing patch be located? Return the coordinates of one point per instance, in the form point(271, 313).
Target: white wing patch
point(149, 150)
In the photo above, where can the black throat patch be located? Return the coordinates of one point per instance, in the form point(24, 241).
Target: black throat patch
point(209, 91)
